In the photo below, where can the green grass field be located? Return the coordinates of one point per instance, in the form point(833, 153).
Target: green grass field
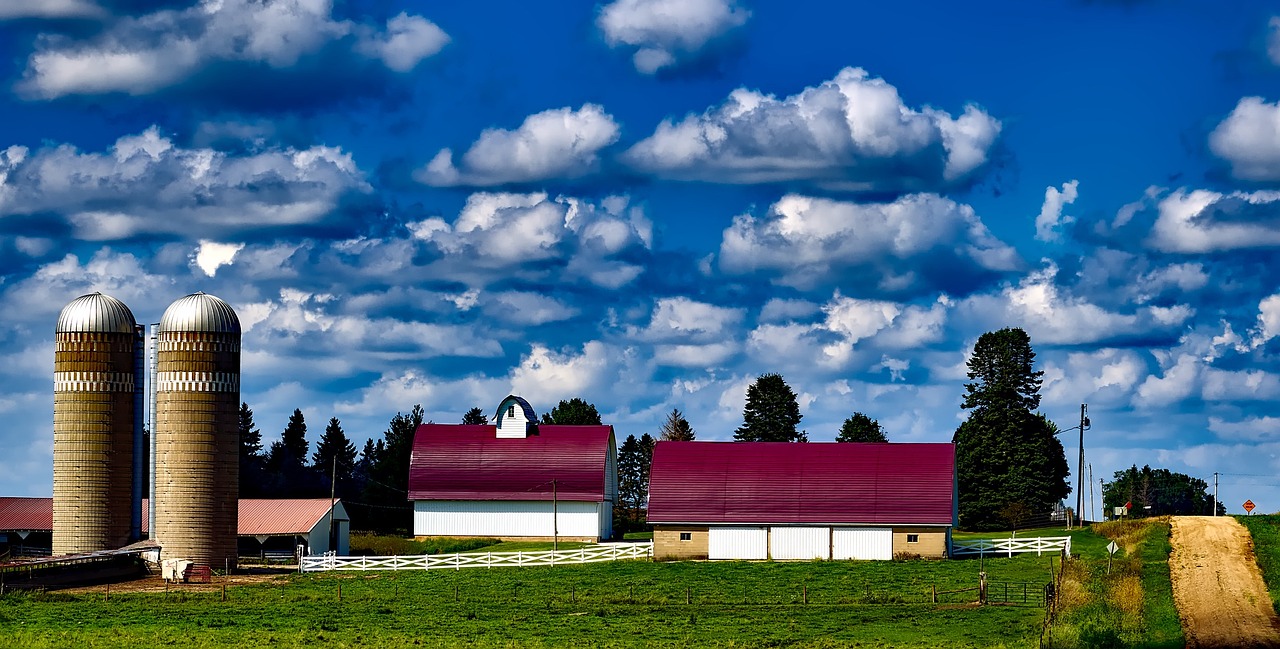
point(1266, 546)
point(624, 604)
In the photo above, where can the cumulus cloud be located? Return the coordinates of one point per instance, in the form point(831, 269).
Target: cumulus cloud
point(667, 32)
point(1201, 221)
point(1249, 139)
point(850, 133)
point(688, 333)
point(121, 275)
point(210, 255)
point(1050, 216)
point(11, 9)
point(1268, 326)
point(531, 235)
point(558, 143)
point(805, 241)
point(521, 307)
point(1052, 315)
point(1251, 429)
point(139, 55)
point(146, 185)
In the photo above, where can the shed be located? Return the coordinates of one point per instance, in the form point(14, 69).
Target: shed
point(514, 479)
point(267, 524)
point(781, 500)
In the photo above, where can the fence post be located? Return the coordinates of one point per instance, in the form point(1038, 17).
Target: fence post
point(804, 593)
point(935, 593)
point(982, 588)
point(688, 596)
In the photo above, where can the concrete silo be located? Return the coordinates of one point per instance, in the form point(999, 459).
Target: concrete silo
point(197, 406)
point(97, 425)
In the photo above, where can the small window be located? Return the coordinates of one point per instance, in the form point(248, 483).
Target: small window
point(686, 536)
point(511, 411)
point(913, 538)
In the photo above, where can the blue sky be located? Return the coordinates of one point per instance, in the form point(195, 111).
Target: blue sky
point(648, 203)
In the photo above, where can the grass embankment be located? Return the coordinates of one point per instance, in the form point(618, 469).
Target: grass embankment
point(1130, 607)
point(385, 546)
point(1266, 547)
point(883, 604)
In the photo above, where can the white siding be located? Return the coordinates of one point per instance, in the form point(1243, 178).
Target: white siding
point(738, 543)
point(862, 543)
point(318, 537)
point(505, 518)
point(799, 543)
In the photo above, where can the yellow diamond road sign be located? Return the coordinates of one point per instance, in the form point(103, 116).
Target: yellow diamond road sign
point(1248, 506)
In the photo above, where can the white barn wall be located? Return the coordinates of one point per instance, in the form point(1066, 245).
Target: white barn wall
point(738, 543)
point(802, 543)
point(862, 543)
point(503, 518)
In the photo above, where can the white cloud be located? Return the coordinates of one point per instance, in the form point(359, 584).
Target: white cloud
point(667, 31)
point(557, 143)
point(211, 255)
point(1249, 139)
point(807, 240)
point(1268, 326)
point(10, 9)
point(545, 376)
point(1050, 216)
point(1179, 381)
point(683, 319)
point(1203, 221)
point(139, 55)
point(1273, 39)
point(144, 182)
point(526, 308)
point(498, 234)
point(406, 41)
point(1251, 429)
point(850, 133)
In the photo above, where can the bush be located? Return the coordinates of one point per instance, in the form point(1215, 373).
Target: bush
point(377, 545)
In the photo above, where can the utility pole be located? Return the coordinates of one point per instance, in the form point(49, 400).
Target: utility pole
point(1215, 493)
point(1084, 422)
point(333, 492)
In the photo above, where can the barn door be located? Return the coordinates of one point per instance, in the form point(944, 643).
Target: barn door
point(799, 543)
point(737, 543)
point(862, 543)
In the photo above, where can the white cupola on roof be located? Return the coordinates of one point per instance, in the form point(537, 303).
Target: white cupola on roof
point(515, 417)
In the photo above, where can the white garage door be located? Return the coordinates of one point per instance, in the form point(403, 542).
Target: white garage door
point(862, 543)
point(738, 543)
point(799, 543)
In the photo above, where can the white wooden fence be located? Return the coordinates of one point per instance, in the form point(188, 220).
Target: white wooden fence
point(1010, 547)
point(593, 554)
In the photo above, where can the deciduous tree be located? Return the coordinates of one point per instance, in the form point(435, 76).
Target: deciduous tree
point(861, 428)
point(1006, 454)
point(574, 412)
point(771, 413)
point(1164, 491)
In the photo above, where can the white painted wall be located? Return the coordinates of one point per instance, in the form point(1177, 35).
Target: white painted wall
point(507, 518)
point(738, 543)
point(318, 538)
point(803, 543)
point(862, 543)
point(511, 420)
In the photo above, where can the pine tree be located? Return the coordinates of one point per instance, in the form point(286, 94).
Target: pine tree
point(574, 412)
point(630, 479)
point(388, 486)
point(676, 428)
point(334, 444)
point(771, 413)
point(1007, 457)
point(861, 428)
point(252, 473)
point(475, 416)
point(646, 444)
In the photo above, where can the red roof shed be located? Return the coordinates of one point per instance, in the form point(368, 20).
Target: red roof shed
point(26, 514)
point(457, 462)
point(814, 483)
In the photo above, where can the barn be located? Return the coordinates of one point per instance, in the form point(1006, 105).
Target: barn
point(514, 479)
point(778, 500)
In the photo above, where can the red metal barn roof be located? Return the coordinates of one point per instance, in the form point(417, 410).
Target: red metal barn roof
point(26, 514)
point(457, 462)
point(785, 482)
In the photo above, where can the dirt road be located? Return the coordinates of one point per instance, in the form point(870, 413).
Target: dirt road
point(1217, 586)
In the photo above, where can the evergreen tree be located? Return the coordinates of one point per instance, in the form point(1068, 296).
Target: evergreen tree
point(253, 476)
point(646, 444)
point(334, 444)
point(475, 416)
point(1007, 458)
point(676, 428)
point(861, 428)
point(286, 462)
point(574, 412)
point(388, 487)
point(630, 479)
point(771, 413)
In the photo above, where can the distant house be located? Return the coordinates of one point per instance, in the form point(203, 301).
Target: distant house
point(513, 479)
point(777, 500)
point(265, 525)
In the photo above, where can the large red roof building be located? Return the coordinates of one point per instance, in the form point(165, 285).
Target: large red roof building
point(514, 478)
point(759, 500)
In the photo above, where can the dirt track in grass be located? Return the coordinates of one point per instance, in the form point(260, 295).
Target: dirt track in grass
point(1217, 586)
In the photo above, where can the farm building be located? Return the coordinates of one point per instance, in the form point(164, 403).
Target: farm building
point(265, 525)
point(778, 500)
point(514, 479)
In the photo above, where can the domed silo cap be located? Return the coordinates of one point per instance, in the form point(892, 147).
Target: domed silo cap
point(96, 313)
point(200, 312)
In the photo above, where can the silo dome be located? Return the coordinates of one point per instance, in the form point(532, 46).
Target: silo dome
point(98, 313)
point(200, 312)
